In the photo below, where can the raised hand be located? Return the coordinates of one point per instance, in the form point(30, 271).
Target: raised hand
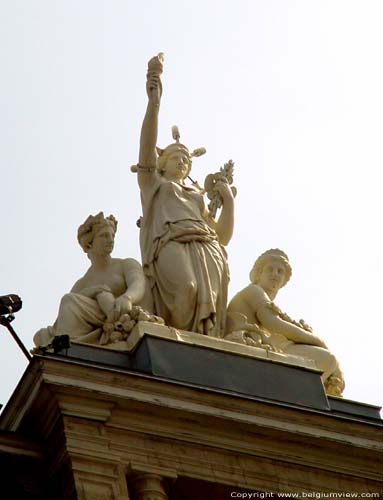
point(122, 305)
point(224, 189)
point(153, 82)
point(154, 88)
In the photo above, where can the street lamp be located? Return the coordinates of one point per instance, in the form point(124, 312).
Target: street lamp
point(9, 304)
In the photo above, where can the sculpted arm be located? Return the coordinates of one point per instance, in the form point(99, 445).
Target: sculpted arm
point(225, 224)
point(274, 324)
point(149, 130)
point(135, 280)
point(271, 321)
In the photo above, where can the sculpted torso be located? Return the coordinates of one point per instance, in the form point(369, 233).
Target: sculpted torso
point(113, 276)
point(247, 302)
point(256, 306)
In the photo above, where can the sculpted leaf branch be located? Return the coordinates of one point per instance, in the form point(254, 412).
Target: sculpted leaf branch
point(224, 175)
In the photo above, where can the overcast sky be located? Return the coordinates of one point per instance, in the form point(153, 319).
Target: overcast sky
point(290, 90)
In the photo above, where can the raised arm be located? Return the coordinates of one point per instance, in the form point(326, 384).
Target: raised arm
point(149, 130)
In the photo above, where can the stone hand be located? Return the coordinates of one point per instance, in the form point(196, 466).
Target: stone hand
point(224, 190)
point(93, 291)
point(156, 64)
point(154, 88)
point(122, 305)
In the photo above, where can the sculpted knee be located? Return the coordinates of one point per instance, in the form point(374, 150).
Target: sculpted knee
point(185, 295)
point(190, 291)
point(332, 362)
point(44, 336)
point(67, 303)
point(66, 299)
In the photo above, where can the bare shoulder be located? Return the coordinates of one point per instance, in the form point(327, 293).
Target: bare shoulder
point(250, 296)
point(255, 292)
point(130, 264)
point(239, 298)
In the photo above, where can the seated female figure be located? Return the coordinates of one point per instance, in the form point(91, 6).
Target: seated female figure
point(254, 319)
point(107, 290)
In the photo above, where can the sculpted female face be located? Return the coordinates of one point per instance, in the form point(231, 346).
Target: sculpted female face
point(177, 166)
point(273, 274)
point(103, 241)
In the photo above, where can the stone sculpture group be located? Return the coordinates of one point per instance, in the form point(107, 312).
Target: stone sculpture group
point(183, 280)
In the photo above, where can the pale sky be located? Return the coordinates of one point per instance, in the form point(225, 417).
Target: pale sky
point(290, 90)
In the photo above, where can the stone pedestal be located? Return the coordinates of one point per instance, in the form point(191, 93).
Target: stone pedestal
point(108, 425)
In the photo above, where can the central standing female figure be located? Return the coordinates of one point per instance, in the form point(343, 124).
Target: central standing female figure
point(181, 245)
